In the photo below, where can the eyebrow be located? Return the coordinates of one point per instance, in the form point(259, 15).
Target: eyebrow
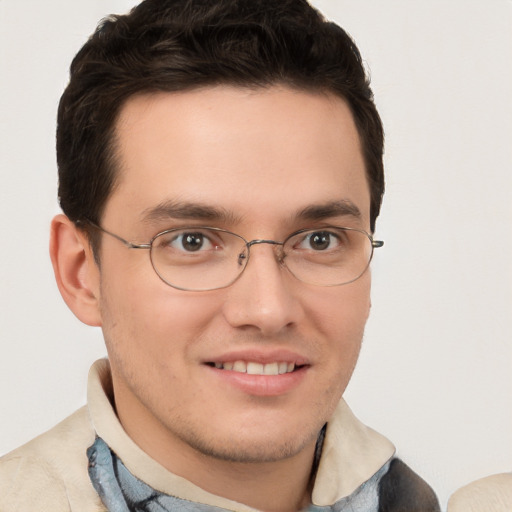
point(172, 209)
point(339, 208)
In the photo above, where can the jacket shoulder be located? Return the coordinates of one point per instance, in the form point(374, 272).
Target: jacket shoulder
point(490, 494)
point(50, 472)
point(28, 483)
point(402, 490)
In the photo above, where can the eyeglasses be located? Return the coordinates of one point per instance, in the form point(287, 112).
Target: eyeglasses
point(200, 258)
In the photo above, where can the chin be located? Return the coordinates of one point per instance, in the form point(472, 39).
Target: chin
point(256, 444)
point(254, 451)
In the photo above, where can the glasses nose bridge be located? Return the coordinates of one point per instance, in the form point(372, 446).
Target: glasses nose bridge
point(262, 241)
point(259, 241)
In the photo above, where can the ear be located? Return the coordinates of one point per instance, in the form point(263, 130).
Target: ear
point(76, 271)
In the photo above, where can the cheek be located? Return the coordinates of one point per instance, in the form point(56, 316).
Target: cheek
point(179, 318)
point(342, 311)
point(149, 317)
point(340, 316)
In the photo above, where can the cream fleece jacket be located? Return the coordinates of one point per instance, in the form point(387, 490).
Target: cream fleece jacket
point(49, 474)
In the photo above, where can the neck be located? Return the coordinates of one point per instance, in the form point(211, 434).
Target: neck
point(278, 486)
point(283, 485)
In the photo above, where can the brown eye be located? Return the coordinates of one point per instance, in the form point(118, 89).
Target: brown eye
point(320, 241)
point(188, 241)
point(192, 241)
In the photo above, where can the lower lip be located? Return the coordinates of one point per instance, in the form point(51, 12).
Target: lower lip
point(262, 385)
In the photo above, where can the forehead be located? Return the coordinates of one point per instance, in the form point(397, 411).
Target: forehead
point(256, 154)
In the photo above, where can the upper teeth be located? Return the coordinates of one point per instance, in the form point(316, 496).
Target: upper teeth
point(257, 368)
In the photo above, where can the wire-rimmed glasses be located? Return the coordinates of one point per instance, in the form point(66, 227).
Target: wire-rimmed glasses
point(197, 258)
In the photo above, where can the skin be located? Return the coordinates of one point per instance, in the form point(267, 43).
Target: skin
point(260, 157)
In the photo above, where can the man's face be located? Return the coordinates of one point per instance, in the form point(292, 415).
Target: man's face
point(257, 160)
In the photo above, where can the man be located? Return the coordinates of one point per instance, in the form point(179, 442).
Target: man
point(220, 174)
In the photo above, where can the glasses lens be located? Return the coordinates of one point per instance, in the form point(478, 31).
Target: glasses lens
point(198, 258)
point(328, 257)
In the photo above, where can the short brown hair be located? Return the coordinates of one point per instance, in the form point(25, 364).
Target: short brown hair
point(176, 45)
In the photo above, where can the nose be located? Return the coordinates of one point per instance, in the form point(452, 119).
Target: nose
point(265, 297)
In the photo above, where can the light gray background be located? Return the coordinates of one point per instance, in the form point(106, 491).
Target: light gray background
point(435, 371)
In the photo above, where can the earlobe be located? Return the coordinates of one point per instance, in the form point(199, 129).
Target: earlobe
point(75, 270)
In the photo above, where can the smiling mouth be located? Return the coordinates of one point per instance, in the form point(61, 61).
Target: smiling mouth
point(253, 368)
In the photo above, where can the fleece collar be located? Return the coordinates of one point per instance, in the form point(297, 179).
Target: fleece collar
point(352, 452)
